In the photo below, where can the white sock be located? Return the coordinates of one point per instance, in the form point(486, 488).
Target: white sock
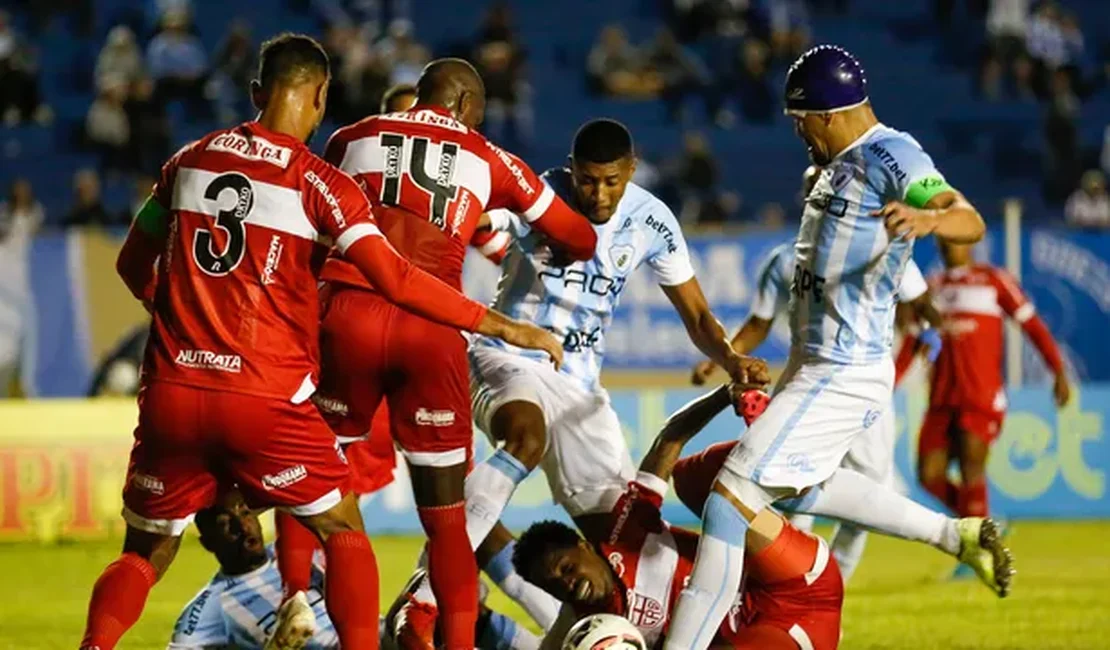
point(852, 497)
point(715, 580)
point(489, 487)
point(803, 522)
point(540, 605)
point(848, 542)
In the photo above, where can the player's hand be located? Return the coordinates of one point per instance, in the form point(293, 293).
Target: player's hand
point(906, 221)
point(702, 372)
point(532, 337)
point(748, 372)
point(1061, 390)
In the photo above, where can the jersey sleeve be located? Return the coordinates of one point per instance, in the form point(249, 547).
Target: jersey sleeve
point(913, 283)
point(337, 206)
point(513, 185)
point(772, 286)
point(201, 624)
point(910, 174)
point(669, 257)
point(1011, 298)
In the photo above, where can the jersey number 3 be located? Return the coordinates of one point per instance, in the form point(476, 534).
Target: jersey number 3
point(220, 263)
point(439, 187)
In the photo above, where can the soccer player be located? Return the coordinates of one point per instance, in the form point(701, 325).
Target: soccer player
point(793, 596)
point(235, 222)
point(400, 97)
point(562, 420)
point(430, 177)
point(872, 454)
point(238, 607)
point(878, 191)
point(967, 401)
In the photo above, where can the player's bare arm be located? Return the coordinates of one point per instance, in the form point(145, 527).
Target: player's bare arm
point(948, 215)
point(750, 336)
point(707, 333)
point(680, 428)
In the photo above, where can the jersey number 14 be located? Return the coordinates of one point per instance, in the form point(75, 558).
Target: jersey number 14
point(440, 190)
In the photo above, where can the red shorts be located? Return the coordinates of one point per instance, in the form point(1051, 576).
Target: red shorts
point(942, 423)
point(191, 441)
point(373, 459)
point(694, 475)
point(788, 615)
point(371, 349)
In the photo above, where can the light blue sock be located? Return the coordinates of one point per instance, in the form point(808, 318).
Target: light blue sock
point(502, 633)
point(540, 605)
point(489, 487)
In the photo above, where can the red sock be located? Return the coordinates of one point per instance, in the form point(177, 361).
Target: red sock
point(973, 499)
point(117, 601)
point(945, 491)
point(792, 554)
point(351, 590)
point(453, 572)
point(295, 546)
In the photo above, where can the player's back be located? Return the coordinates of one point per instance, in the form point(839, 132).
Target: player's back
point(236, 302)
point(429, 178)
point(972, 301)
point(848, 268)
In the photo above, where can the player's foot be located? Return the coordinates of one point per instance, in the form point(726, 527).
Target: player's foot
point(411, 623)
point(981, 548)
point(296, 623)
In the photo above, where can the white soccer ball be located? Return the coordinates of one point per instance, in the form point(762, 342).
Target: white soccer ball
point(604, 631)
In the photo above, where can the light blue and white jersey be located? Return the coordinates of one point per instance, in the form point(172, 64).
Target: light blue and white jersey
point(847, 269)
point(241, 611)
point(776, 273)
point(576, 302)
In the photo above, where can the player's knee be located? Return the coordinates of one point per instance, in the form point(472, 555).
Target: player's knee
point(932, 468)
point(342, 517)
point(159, 550)
point(521, 426)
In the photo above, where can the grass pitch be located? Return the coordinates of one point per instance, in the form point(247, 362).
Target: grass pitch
point(898, 598)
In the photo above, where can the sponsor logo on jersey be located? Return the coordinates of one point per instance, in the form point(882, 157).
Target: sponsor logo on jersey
point(209, 360)
point(621, 256)
point(149, 483)
point(284, 478)
point(273, 256)
point(801, 463)
point(329, 198)
point(434, 417)
point(888, 160)
point(514, 169)
point(644, 611)
point(461, 209)
point(330, 405)
point(664, 230)
point(869, 418)
point(192, 619)
point(254, 148)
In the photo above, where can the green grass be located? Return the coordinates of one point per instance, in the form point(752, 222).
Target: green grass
point(897, 599)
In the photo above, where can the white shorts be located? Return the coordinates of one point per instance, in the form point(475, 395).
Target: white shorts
point(872, 454)
point(586, 460)
point(818, 411)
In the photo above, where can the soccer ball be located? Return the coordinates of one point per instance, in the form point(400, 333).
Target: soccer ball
point(604, 631)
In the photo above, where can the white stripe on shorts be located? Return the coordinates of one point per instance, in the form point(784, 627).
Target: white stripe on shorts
point(170, 527)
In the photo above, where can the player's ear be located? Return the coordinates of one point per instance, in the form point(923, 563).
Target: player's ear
point(632, 165)
point(322, 95)
point(257, 96)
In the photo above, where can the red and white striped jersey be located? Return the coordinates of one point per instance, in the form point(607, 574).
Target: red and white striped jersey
point(253, 215)
point(430, 178)
point(973, 300)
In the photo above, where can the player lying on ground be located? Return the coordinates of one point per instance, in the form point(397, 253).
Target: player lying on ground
point(877, 193)
point(562, 421)
point(872, 454)
point(236, 223)
point(430, 176)
point(967, 399)
point(792, 598)
point(238, 608)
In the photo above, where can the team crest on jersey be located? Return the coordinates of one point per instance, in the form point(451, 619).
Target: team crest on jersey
point(644, 611)
point(621, 256)
point(840, 177)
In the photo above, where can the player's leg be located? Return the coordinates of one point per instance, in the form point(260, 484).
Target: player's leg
point(974, 432)
point(167, 482)
point(933, 454)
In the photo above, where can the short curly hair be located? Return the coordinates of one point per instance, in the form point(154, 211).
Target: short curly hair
point(537, 542)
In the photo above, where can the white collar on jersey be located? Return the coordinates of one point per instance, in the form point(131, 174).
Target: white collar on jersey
point(860, 140)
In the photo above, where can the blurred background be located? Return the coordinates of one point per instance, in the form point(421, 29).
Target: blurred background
point(1010, 97)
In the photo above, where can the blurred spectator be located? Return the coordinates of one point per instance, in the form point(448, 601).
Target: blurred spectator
point(1052, 47)
point(719, 210)
point(365, 15)
point(177, 61)
point(500, 61)
point(682, 74)
point(771, 216)
point(757, 98)
point(693, 20)
point(20, 99)
point(1089, 206)
point(234, 67)
point(106, 125)
point(20, 216)
point(1105, 158)
point(790, 30)
point(1007, 25)
point(399, 98)
point(694, 175)
point(157, 11)
point(615, 67)
point(150, 128)
point(88, 210)
point(119, 59)
point(1062, 139)
point(400, 52)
